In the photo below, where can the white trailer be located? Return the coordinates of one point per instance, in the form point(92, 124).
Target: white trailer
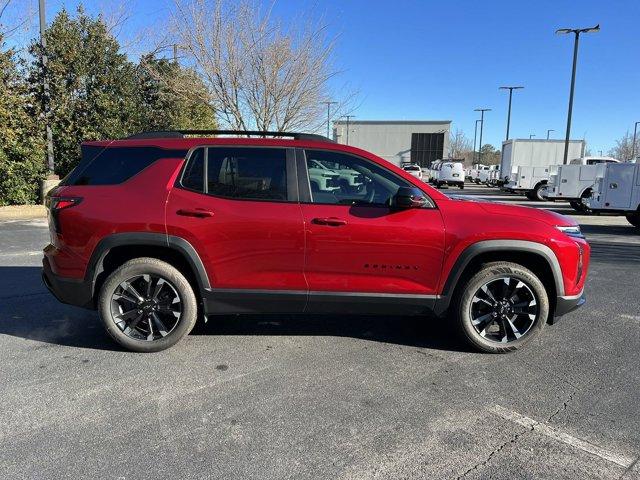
point(573, 182)
point(527, 163)
point(617, 191)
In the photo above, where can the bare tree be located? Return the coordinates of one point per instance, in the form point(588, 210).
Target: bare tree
point(624, 147)
point(259, 75)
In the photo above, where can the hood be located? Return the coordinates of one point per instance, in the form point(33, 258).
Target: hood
point(500, 208)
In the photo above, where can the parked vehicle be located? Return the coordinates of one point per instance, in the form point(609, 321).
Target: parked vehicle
point(475, 172)
point(450, 173)
point(527, 164)
point(348, 179)
point(573, 182)
point(484, 175)
point(617, 190)
point(433, 171)
point(413, 169)
point(161, 228)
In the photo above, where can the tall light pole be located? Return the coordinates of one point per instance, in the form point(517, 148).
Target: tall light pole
point(481, 110)
point(328, 104)
point(549, 131)
point(633, 147)
point(576, 32)
point(45, 89)
point(475, 135)
point(511, 89)
point(348, 117)
point(531, 136)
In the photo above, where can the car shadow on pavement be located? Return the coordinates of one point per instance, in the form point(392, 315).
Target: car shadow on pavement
point(29, 311)
point(417, 331)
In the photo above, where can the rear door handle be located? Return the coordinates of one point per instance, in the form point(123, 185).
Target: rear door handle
point(330, 221)
point(198, 213)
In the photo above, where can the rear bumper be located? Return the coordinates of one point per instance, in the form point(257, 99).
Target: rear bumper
point(566, 304)
point(66, 290)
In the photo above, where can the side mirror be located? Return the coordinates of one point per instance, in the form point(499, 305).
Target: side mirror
point(409, 197)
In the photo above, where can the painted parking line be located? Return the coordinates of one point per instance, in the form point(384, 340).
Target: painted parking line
point(21, 254)
point(560, 436)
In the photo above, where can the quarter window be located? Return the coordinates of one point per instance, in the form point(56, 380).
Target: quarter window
point(337, 178)
point(193, 177)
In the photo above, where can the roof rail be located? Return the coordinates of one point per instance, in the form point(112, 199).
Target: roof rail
point(248, 133)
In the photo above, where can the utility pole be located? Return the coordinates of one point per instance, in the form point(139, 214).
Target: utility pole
point(576, 32)
point(328, 104)
point(633, 147)
point(475, 135)
point(175, 53)
point(481, 110)
point(45, 89)
point(511, 89)
point(549, 131)
point(348, 117)
point(531, 136)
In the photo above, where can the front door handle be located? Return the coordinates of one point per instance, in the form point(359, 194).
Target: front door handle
point(198, 213)
point(330, 221)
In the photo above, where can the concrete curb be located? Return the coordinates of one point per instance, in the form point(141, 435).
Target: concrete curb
point(22, 212)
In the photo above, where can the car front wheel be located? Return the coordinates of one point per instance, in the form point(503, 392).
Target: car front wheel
point(501, 308)
point(147, 305)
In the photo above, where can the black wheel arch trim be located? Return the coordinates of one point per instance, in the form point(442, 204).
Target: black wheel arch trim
point(484, 246)
point(178, 244)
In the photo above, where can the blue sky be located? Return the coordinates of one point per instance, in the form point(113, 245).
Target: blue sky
point(431, 60)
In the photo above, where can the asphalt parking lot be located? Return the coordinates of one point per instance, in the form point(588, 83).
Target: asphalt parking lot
point(306, 397)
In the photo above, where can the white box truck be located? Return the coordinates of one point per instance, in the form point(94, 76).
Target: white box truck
point(527, 164)
point(617, 191)
point(573, 182)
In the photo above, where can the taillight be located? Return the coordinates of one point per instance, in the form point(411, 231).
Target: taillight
point(60, 203)
point(57, 204)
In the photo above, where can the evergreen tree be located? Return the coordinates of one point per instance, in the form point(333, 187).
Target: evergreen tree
point(170, 97)
point(92, 85)
point(22, 152)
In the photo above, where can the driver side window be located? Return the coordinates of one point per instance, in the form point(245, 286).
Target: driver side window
point(338, 178)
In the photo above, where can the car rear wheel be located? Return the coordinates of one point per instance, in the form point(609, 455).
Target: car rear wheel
point(501, 308)
point(147, 305)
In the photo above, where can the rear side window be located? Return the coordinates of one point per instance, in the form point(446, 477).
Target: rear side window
point(193, 176)
point(113, 165)
point(239, 173)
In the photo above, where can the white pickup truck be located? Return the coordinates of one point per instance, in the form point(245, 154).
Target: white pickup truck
point(617, 190)
point(573, 182)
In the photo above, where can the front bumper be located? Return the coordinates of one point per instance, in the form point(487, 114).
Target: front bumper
point(67, 290)
point(566, 304)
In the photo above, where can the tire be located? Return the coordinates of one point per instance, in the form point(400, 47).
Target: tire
point(530, 195)
point(633, 219)
point(578, 206)
point(538, 193)
point(466, 310)
point(461, 186)
point(176, 317)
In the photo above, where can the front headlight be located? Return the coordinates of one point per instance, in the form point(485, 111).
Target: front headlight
point(572, 231)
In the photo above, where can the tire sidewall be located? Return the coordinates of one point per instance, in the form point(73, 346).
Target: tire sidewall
point(492, 273)
point(169, 273)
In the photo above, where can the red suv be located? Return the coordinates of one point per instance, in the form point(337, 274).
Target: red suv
point(160, 228)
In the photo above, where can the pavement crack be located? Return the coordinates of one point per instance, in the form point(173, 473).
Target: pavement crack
point(513, 439)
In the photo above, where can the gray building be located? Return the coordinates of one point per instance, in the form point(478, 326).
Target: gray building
point(397, 141)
